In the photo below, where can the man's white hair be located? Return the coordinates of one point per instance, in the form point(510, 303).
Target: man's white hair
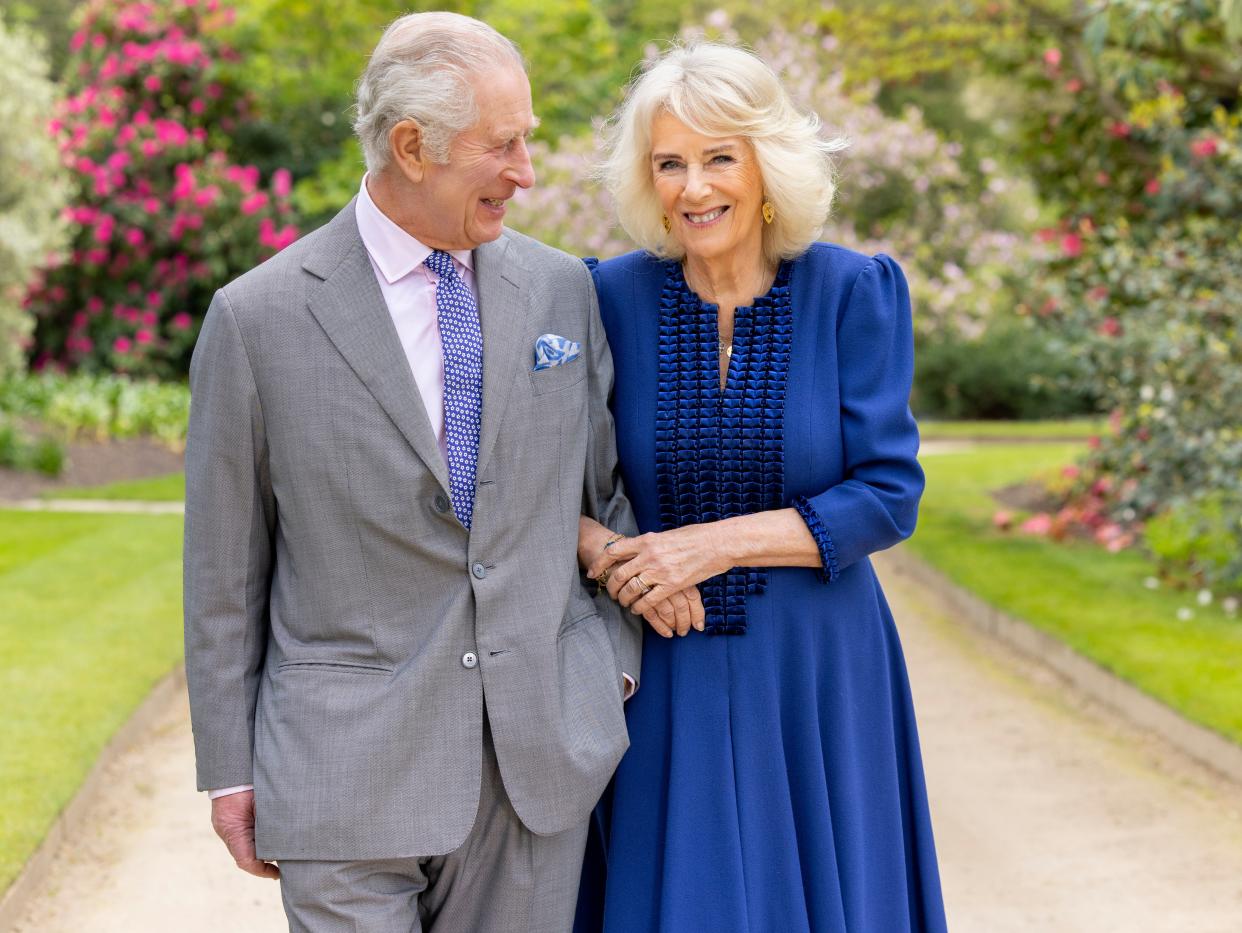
point(422, 70)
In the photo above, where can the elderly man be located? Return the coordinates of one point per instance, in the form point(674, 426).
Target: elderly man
point(400, 689)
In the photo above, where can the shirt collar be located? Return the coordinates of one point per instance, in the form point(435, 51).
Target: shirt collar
point(394, 251)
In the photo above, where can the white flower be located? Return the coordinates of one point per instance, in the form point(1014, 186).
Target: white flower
point(1152, 583)
point(1185, 614)
point(1229, 604)
point(1205, 597)
point(1166, 393)
point(1147, 393)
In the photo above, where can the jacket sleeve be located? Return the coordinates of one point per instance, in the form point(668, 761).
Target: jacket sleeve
point(229, 522)
point(603, 497)
point(876, 504)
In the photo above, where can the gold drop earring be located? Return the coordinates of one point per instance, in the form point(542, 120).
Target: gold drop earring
point(769, 212)
point(666, 223)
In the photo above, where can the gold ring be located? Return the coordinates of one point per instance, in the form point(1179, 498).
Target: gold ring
point(647, 587)
point(602, 579)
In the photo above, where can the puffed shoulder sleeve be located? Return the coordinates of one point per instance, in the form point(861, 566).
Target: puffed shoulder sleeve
point(876, 504)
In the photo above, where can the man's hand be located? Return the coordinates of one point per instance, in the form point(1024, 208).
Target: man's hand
point(232, 817)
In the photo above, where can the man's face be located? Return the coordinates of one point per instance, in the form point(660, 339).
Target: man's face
point(465, 198)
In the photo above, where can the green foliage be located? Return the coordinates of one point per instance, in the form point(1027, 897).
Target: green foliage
point(1008, 372)
point(1133, 129)
point(572, 56)
point(51, 20)
point(21, 450)
point(100, 406)
point(167, 488)
point(91, 621)
point(1185, 655)
point(1193, 540)
point(33, 187)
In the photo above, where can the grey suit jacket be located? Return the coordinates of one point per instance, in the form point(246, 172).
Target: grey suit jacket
point(331, 594)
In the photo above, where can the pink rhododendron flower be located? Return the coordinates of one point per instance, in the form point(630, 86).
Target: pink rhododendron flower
point(121, 345)
point(1073, 85)
point(1204, 148)
point(1002, 519)
point(1109, 327)
point(1052, 57)
point(1119, 129)
point(1038, 524)
point(282, 182)
point(255, 203)
point(1153, 186)
point(182, 321)
point(1071, 245)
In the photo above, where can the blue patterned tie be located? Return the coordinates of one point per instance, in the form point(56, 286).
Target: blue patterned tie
point(463, 379)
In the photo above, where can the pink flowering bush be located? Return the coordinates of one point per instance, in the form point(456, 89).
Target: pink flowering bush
point(161, 217)
point(1133, 131)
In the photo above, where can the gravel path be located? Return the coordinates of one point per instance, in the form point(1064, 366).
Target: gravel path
point(1050, 815)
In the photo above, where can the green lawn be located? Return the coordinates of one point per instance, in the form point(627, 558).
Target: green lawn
point(91, 620)
point(1053, 430)
point(169, 488)
point(1089, 598)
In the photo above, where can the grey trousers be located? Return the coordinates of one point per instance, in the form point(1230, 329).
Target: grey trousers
point(502, 879)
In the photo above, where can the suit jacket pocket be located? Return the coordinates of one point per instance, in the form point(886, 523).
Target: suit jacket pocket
point(558, 377)
point(340, 667)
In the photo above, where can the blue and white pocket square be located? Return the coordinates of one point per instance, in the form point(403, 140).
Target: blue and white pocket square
point(551, 350)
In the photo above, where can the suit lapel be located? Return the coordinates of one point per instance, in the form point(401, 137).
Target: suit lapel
point(502, 314)
point(351, 309)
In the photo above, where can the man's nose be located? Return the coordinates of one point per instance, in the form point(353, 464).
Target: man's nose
point(520, 170)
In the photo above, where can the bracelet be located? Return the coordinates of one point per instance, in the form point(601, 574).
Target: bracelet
point(613, 540)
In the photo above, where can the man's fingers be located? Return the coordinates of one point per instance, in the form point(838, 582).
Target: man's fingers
point(258, 868)
point(681, 608)
point(658, 625)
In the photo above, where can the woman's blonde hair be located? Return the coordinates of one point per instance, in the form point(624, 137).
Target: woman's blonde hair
point(719, 90)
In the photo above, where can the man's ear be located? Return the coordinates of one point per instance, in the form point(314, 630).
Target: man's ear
point(408, 153)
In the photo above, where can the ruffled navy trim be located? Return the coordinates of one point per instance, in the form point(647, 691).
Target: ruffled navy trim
point(721, 454)
point(819, 531)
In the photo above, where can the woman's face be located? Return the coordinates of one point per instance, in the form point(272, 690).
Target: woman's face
point(710, 187)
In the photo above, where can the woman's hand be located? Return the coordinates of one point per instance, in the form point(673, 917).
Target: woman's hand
point(676, 614)
point(667, 562)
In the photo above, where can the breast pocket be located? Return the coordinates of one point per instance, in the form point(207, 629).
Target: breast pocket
point(558, 377)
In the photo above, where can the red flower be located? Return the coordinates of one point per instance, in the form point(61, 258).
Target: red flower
point(1071, 245)
point(1052, 57)
point(1073, 85)
point(1119, 129)
point(1109, 327)
point(1204, 148)
point(1153, 186)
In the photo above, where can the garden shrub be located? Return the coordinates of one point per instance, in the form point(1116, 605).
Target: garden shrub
point(1133, 129)
point(161, 216)
point(33, 187)
point(1010, 371)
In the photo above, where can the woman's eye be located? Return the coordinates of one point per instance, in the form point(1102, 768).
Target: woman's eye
point(669, 165)
point(722, 159)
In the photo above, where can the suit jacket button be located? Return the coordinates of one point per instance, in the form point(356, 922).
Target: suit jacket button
point(442, 503)
point(469, 660)
point(479, 571)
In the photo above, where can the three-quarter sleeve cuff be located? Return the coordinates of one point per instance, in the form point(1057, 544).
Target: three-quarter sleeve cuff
point(823, 540)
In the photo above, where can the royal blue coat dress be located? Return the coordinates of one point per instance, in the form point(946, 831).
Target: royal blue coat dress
point(773, 782)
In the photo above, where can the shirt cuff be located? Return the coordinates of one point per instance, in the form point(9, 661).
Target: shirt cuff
point(631, 686)
point(226, 791)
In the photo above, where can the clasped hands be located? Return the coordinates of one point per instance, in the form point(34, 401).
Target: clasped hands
point(655, 575)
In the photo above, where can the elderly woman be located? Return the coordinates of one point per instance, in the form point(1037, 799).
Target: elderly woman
point(774, 781)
